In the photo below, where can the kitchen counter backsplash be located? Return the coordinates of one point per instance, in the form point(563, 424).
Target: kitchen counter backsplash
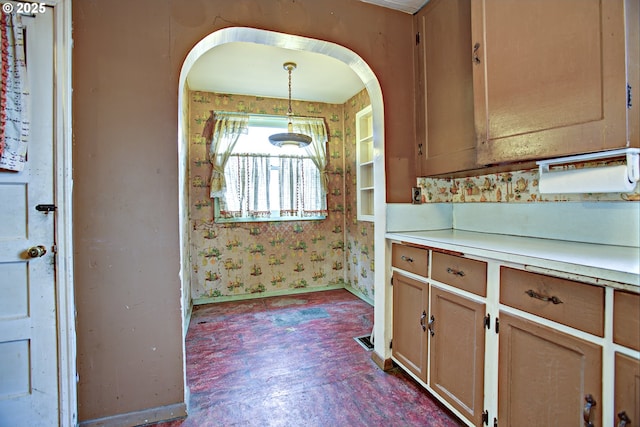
point(512, 187)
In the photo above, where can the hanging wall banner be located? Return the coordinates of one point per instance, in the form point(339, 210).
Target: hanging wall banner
point(14, 105)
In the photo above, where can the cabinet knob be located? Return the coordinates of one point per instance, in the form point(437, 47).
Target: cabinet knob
point(406, 258)
point(455, 272)
point(624, 419)
point(536, 295)
point(588, 406)
point(424, 316)
point(432, 320)
point(476, 57)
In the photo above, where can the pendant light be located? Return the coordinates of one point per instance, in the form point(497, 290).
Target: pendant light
point(290, 138)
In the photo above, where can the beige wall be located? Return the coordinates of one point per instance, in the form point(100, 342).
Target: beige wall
point(126, 63)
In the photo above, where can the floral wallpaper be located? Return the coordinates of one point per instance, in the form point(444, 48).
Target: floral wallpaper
point(240, 259)
point(359, 234)
point(513, 187)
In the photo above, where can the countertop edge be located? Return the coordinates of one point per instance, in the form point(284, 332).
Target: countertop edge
point(619, 265)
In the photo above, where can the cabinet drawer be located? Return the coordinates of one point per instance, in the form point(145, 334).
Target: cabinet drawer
point(467, 274)
point(409, 258)
point(626, 319)
point(574, 304)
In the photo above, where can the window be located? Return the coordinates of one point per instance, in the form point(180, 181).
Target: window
point(267, 183)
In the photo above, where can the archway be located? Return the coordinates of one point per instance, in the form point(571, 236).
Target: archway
point(364, 72)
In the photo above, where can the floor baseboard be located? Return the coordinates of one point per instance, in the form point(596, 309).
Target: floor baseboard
point(147, 416)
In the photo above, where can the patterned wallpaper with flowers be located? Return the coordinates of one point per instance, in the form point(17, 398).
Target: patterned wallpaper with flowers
point(233, 260)
point(512, 187)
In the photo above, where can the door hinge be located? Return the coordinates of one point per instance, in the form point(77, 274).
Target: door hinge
point(497, 325)
point(485, 417)
point(628, 96)
point(390, 343)
point(391, 281)
point(487, 321)
point(495, 422)
point(419, 149)
point(418, 38)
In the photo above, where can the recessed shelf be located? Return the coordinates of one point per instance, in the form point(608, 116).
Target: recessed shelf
point(365, 170)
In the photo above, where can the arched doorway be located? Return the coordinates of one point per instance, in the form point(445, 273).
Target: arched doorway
point(371, 84)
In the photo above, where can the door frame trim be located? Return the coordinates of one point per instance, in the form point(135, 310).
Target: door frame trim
point(65, 300)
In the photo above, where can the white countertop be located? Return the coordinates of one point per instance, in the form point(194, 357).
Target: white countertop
point(619, 264)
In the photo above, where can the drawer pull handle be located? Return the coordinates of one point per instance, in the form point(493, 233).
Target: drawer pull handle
point(424, 316)
point(589, 404)
point(455, 272)
point(624, 419)
point(552, 299)
point(432, 320)
point(406, 258)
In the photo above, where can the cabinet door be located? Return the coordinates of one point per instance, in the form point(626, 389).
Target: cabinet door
point(544, 376)
point(627, 390)
point(549, 78)
point(457, 352)
point(410, 305)
point(444, 95)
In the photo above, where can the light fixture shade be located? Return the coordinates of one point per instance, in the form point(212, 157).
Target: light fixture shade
point(290, 138)
point(297, 139)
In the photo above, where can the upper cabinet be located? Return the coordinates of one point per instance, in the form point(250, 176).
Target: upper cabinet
point(537, 79)
point(444, 88)
point(550, 78)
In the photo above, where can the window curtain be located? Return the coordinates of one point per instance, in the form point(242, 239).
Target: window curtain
point(14, 97)
point(246, 192)
point(317, 150)
point(301, 193)
point(290, 169)
point(259, 180)
point(222, 131)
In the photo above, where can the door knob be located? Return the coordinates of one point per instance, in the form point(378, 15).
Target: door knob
point(36, 251)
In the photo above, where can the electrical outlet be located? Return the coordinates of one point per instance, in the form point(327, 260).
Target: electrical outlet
point(416, 195)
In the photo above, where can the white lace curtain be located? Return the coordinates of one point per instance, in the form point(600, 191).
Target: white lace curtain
point(14, 97)
point(223, 129)
point(248, 184)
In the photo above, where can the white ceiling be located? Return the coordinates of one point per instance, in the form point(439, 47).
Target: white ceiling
point(243, 68)
point(409, 6)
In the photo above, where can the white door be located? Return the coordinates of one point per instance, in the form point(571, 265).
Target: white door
point(28, 344)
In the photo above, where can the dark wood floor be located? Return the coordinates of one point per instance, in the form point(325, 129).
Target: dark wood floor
point(293, 361)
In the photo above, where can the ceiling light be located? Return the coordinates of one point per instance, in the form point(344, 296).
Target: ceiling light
point(290, 138)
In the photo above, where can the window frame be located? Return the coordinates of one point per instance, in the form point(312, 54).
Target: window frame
point(275, 123)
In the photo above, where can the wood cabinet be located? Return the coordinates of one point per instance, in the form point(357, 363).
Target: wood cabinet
point(456, 325)
point(627, 391)
point(550, 77)
point(498, 342)
point(537, 79)
point(444, 88)
point(546, 377)
point(410, 306)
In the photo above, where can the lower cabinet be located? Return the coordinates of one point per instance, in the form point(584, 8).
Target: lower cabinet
point(627, 391)
point(410, 306)
point(546, 377)
point(502, 345)
point(457, 352)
